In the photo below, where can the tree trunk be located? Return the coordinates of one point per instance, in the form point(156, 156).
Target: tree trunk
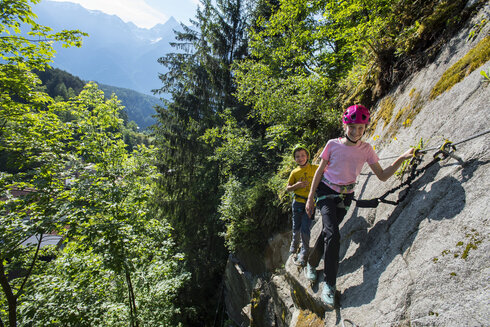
point(9, 295)
point(132, 301)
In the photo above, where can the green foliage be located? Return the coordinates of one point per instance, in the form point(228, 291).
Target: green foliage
point(66, 293)
point(356, 49)
point(32, 144)
point(36, 50)
point(363, 27)
point(20, 55)
point(105, 209)
point(251, 214)
point(139, 107)
point(109, 213)
point(486, 75)
point(78, 289)
point(60, 84)
point(296, 103)
point(232, 209)
point(190, 129)
point(477, 29)
point(232, 145)
point(63, 86)
point(288, 79)
point(65, 170)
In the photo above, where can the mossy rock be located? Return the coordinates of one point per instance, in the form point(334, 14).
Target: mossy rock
point(405, 115)
point(475, 58)
point(309, 319)
point(385, 112)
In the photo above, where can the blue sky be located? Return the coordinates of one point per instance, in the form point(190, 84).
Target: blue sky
point(143, 13)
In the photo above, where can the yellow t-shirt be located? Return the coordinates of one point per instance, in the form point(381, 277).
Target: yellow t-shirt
point(302, 174)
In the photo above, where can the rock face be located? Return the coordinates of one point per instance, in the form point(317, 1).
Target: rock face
point(424, 262)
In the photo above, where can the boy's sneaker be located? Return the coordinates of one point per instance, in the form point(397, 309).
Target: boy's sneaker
point(328, 295)
point(310, 273)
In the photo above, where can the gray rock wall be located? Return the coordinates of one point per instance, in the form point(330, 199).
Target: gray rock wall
point(426, 261)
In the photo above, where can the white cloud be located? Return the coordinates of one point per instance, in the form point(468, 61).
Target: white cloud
point(136, 11)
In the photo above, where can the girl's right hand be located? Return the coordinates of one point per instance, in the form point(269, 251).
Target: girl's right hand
point(310, 206)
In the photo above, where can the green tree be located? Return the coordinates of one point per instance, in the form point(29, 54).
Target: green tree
point(73, 177)
point(22, 54)
point(288, 79)
point(344, 51)
point(103, 213)
point(201, 84)
point(30, 139)
point(54, 79)
point(108, 218)
point(36, 144)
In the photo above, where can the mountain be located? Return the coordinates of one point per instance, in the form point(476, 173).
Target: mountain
point(138, 107)
point(115, 53)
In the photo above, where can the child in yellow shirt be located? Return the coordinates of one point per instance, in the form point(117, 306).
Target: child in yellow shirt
point(300, 181)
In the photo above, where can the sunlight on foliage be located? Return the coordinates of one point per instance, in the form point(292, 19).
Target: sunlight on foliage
point(66, 174)
point(405, 166)
point(486, 75)
point(476, 57)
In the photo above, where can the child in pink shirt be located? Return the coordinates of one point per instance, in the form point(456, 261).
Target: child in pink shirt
point(341, 162)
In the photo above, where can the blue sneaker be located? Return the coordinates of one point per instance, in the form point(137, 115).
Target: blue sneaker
point(310, 273)
point(328, 295)
point(299, 261)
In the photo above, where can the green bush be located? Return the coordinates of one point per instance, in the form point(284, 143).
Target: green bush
point(251, 214)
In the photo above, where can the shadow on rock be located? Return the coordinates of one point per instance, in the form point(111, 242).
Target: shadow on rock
point(379, 245)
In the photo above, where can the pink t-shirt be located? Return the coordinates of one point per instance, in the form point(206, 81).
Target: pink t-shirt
point(344, 162)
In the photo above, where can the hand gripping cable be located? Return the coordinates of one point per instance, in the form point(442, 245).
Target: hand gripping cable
point(446, 150)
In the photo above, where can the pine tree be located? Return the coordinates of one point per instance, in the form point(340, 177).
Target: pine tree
point(200, 82)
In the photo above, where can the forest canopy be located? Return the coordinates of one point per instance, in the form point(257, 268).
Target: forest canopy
point(79, 246)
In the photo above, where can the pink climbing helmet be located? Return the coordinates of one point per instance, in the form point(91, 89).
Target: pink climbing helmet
point(356, 114)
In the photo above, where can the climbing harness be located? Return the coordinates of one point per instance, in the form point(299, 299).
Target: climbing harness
point(300, 197)
point(339, 198)
point(345, 188)
point(446, 150)
point(342, 197)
